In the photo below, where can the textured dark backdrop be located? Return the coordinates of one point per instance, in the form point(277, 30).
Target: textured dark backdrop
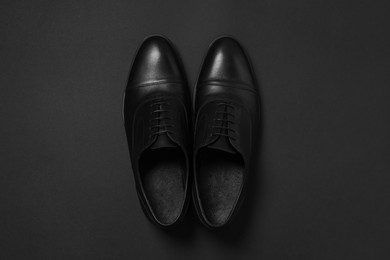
point(322, 187)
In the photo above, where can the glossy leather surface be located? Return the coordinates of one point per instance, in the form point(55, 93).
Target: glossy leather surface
point(226, 79)
point(157, 84)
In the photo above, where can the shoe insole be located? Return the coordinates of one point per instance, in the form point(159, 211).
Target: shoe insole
point(220, 178)
point(162, 174)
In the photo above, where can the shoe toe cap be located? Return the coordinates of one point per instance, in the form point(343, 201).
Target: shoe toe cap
point(226, 62)
point(156, 60)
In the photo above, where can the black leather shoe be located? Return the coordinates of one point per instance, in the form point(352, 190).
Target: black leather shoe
point(226, 122)
point(157, 121)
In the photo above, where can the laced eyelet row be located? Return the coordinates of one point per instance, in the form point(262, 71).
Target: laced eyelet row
point(223, 121)
point(160, 121)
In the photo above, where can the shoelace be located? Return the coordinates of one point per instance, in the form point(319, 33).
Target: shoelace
point(159, 121)
point(223, 121)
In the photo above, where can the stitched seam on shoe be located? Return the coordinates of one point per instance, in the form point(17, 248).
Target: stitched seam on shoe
point(228, 83)
point(158, 82)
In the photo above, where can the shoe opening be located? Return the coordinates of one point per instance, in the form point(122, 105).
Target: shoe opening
point(220, 178)
point(163, 173)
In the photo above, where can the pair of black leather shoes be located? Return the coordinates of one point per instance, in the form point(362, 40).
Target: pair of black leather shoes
point(171, 156)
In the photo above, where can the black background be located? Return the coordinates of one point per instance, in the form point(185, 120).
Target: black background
point(322, 186)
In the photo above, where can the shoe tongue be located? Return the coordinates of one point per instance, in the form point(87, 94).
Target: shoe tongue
point(163, 141)
point(223, 144)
